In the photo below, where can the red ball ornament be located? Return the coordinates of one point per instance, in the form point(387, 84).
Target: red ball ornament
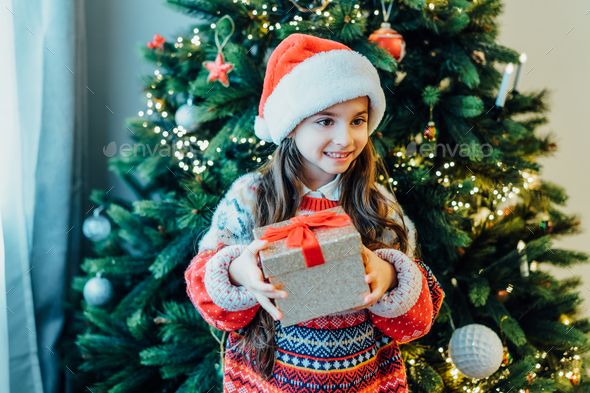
point(390, 40)
point(430, 131)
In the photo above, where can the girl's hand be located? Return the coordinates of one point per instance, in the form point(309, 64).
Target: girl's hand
point(244, 271)
point(381, 276)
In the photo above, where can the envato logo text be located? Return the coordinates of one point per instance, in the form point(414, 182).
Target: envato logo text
point(137, 149)
point(464, 150)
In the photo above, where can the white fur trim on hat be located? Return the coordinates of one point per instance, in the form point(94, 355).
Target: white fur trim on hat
point(317, 83)
point(261, 129)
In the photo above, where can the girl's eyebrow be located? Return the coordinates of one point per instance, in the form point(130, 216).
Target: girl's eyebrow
point(327, 113)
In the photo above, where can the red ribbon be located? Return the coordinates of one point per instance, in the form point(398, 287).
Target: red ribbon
point(298, 234)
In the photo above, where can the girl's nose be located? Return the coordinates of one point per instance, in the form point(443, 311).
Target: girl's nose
point(343, 135)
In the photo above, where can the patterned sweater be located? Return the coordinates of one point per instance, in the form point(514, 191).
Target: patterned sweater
point(350, 351)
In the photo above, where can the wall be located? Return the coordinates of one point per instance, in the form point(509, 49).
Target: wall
point(555, 36)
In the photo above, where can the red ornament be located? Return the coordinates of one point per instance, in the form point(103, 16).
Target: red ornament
point(218, 70)
point(430, 131)
point(390, 40)
point(157, 42)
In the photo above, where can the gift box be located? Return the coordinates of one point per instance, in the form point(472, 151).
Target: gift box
point(317, 260)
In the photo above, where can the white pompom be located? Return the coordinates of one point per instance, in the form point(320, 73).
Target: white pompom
point(476, 351)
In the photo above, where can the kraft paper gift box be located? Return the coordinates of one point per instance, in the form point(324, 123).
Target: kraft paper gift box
point(319, 265)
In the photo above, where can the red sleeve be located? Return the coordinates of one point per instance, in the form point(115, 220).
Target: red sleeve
point(408, 311)
point(221, 304)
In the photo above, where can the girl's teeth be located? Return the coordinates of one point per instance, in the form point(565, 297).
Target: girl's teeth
point(337, 155)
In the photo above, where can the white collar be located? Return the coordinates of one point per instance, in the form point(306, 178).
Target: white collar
point(330, 191)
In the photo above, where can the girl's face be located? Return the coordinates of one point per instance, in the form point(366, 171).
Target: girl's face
point(330, 140)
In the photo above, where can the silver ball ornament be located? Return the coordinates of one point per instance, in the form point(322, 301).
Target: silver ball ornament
point(98, 291)
point(186, 116)
point(476, 351)
point(97, 227)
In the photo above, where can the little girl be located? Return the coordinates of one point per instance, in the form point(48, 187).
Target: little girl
point(320, 103)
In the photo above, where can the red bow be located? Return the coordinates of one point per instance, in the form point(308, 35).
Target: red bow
point(298, 234)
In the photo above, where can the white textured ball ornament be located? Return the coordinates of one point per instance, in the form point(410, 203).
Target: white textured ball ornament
point(98, 291)
point(186, 116)
point(96, 227)
point(476, 351)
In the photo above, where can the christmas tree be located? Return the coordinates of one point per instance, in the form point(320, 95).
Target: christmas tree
point(460, 146)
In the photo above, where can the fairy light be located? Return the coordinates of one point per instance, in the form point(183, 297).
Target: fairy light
point(164, 114)
point(140, 113)
point(149, 112)
point(144, 124)
point(156, 129)
point(213, 25)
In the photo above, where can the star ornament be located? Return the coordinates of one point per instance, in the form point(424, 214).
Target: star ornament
point(218, 70)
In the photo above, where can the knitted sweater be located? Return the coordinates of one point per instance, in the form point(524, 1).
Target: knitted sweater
point(350, 351)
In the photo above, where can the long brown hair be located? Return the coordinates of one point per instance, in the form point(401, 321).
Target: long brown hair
point(277, 199)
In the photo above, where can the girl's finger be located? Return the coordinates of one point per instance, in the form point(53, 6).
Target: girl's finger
point(276, 294)
point(371, 277)
point(375, 295)
point(268, 306)
point(267, 289)
point(262, 286)
point(257, 245)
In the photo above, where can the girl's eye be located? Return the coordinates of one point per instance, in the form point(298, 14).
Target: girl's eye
point(361, 121)
point(324, 120)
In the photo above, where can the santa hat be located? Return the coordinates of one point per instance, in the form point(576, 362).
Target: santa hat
point(307, 74)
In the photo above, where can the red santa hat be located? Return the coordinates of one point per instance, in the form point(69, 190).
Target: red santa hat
point(307, 74)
